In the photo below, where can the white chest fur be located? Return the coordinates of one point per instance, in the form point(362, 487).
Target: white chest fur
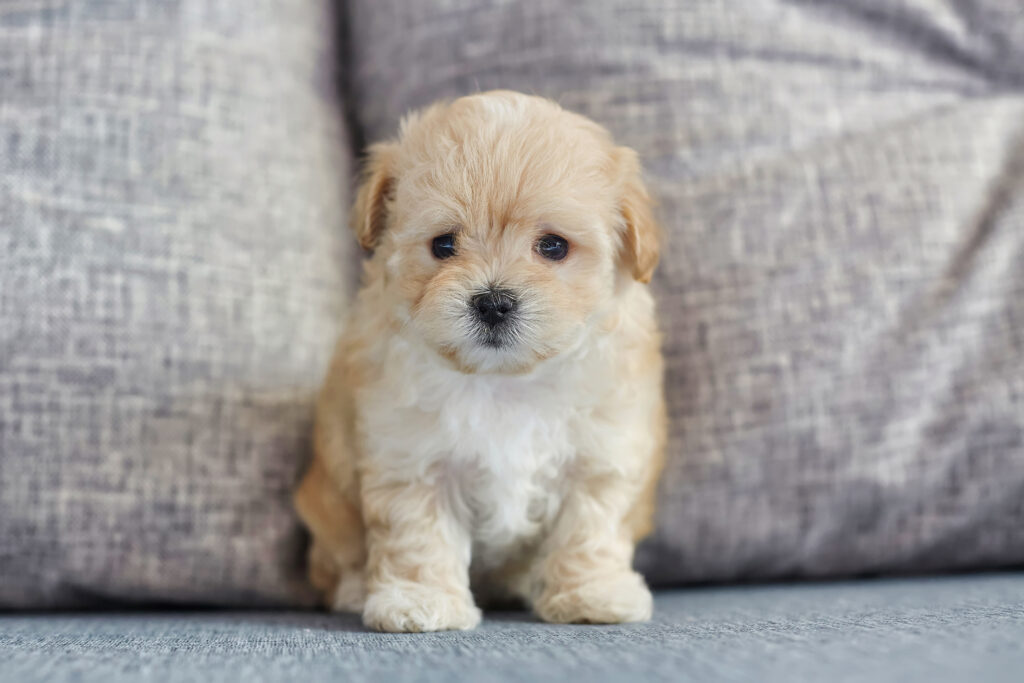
point(508, 459)
point(499, 446)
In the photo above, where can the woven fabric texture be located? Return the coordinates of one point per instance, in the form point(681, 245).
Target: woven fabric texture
point(172, 191)
point(920, 631)
point(842, 291)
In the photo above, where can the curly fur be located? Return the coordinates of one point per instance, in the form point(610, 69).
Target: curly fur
point(526, 471)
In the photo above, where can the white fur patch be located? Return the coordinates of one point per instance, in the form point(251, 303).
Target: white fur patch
point(504, 445)
point(500, 443)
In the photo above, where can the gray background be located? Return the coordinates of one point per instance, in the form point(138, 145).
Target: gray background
point(172, 199)
point(841, 184)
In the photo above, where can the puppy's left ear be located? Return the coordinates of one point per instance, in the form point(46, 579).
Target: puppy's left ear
point(641, 236)
point(369, 212)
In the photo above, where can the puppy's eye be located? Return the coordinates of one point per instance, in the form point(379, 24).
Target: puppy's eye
point(553, 247)
point(443, 246)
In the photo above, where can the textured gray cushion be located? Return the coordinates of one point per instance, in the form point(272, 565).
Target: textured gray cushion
point(928, 631)
point(843, 288)
point(172, 181)
point(842, 292)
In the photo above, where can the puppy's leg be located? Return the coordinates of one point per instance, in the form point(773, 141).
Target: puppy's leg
point(336, 555)
point(584, 571)
point(418, 560)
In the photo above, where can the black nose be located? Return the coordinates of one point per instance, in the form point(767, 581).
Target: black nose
point(494, 306)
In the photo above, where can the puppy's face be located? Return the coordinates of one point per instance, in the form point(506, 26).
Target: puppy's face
point(502, 224)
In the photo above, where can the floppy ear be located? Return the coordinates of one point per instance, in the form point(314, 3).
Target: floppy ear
point(369, 213)
point(641, 237)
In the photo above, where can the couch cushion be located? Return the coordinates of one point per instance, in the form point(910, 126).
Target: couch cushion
point(927, 631)
point(843, 189)
point(172, 183)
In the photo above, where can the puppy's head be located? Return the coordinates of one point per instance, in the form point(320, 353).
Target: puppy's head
point(502, 223)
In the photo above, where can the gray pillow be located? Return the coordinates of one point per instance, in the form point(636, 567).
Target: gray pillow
point(172, 199)
point(842, 292)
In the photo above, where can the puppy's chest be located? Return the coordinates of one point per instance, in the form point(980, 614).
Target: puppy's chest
point(506, 506)
point(506, 469)
point(502, 446)
point(503, 451)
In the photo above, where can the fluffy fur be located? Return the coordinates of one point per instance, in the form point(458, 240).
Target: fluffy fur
point(527, 471)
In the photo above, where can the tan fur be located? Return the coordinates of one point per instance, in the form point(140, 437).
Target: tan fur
point(525, 471)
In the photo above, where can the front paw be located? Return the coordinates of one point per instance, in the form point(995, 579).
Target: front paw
point(614, 599)
point(409, 607)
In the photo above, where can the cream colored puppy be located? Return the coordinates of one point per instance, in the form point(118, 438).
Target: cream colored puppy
point(493, 415)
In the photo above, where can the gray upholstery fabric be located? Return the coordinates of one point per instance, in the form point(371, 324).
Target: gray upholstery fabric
point(933, 631)
point(172, 191)
point(843, 287)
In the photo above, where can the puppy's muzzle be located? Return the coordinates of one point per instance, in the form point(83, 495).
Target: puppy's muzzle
point(494, 307)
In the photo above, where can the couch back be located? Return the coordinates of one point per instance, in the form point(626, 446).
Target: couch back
point(842, 187)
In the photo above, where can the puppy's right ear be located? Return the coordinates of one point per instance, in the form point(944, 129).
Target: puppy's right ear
point(641, 235)
point(369, 213)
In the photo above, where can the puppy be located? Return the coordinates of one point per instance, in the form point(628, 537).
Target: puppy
point(493, 416)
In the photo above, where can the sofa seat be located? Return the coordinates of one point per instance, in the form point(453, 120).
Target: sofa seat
point(964, 628)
